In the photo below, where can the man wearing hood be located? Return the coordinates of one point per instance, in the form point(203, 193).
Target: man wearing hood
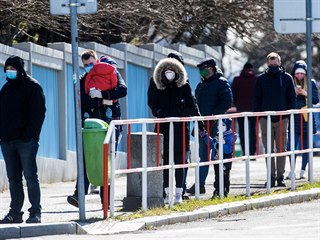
point(214, 97)
point(170, 95)
point(22, 112)
point(242, 91)
point(274, 91)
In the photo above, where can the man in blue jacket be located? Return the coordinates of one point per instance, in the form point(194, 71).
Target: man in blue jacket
point(275, 91)
point(214, 97)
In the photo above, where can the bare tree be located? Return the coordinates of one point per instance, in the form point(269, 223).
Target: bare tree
point(162, 21)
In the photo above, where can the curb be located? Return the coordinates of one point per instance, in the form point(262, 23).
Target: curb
point(34, 230)
point(233, 208)
point(213, 211)
point(112, 227)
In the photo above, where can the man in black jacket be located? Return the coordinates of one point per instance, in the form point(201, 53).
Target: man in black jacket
point(22, 112)
point(93, 106)
point(275, 91)
point(214, 97)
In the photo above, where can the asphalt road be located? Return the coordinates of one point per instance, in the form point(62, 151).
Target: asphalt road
point(296, 221)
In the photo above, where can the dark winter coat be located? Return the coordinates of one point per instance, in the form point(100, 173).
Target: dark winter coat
point(243, 89)
point(93, 107)
point(172, 99)
point(301, 102)
point(214, 97)
point(274, 92)
point(22, 108)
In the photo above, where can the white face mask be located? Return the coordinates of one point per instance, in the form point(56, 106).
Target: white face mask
point(170, 75)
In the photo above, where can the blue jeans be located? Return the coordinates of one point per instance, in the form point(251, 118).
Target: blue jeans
point(305, 156)
point(203, 154)
point(20, 157)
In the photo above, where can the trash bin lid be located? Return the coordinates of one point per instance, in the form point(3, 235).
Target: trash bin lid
point(95, 123)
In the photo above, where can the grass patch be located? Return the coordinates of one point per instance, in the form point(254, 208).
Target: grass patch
point(191, 205)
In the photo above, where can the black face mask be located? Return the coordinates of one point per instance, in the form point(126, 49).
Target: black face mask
point(274, 69)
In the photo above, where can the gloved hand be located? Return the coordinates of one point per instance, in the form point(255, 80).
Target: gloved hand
point(95, 93)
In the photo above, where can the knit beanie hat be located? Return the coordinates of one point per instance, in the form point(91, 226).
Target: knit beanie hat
point(299, 64)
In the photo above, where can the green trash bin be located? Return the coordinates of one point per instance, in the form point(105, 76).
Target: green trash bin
point(94, 133)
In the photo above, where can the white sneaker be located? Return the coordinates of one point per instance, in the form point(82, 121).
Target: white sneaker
point(302, 172)
point(166, 199)
point(178, 196)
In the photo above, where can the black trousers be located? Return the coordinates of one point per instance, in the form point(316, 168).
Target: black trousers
point(226, 178)
point(252, 134)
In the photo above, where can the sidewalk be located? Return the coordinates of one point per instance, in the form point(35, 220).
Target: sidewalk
point(58, 217)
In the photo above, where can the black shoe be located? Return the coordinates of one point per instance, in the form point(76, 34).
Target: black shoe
point(281, 183)
point(185, 197)
point(215, 194)
point(73, 200)
point(12, 218)
point(273, 183)
point(192, 189)
point(34, 218)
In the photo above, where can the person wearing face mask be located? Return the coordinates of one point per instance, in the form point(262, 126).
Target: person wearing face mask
point(98, 103)
point(22, 112)
point(274, 91)
point(170, 95)
point(299, 74)
point(214, 96)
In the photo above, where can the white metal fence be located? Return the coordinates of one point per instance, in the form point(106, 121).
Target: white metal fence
point(110, 139)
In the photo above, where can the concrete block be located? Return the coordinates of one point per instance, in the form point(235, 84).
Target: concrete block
point(237, 209)
point(198, 215)
point(33, 230)
point(154, 179)
point(157, 222)
point(178, 219)
point(7, 231)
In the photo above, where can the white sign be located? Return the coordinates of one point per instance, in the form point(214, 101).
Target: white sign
point(62, 7)
point(290, 16)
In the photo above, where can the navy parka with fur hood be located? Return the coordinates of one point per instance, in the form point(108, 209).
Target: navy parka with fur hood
point(172, 99)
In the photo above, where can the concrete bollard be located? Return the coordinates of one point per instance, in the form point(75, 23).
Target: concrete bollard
point(133, 199)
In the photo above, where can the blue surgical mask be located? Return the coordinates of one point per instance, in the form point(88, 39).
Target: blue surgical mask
point(88, 68)
point(11, 74)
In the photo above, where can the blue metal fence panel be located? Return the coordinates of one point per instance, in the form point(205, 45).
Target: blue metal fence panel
point(2, 77)
point(70, 115)
point(137, 80)
point(2, 82)
point(49, 138)
point(194, 76)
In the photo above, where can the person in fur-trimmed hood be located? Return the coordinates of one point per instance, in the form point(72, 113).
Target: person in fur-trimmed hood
point(172, 97)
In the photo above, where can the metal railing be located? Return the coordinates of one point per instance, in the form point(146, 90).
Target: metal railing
point(111, 139)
